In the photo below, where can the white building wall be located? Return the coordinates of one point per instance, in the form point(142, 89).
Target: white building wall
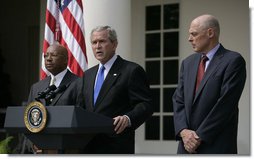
point(115, 13)
point(235, 35)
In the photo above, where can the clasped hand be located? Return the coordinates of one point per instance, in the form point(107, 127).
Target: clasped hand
point(191, 140)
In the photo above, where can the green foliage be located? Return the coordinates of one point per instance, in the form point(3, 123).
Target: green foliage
point(4, 145)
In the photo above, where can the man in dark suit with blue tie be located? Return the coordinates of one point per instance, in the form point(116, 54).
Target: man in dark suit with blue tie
point(116, 88)
point(209, 88)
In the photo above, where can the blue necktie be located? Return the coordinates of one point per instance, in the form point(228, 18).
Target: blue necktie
point(99, 82)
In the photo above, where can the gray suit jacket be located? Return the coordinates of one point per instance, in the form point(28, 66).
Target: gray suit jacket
point(67, 97)
point(213, 111)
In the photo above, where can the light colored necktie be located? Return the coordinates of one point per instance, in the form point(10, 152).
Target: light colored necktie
point(52, 81)
point(99, 82)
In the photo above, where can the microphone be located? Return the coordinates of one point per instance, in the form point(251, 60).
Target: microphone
point(53, 93)
point(45, 92)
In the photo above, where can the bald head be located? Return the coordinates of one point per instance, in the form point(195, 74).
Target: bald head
point(59, 49)
point(207, 21)
point(204, 33)
point(56, 58)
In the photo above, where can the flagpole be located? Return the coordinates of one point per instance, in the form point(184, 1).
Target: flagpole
point(57, 29)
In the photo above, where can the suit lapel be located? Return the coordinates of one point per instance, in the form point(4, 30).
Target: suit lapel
point(66, 81)
point(89, 89)
point(210, 69)
point(191, 79)
point(44, 86)
point(192, 76)
point(67, 78)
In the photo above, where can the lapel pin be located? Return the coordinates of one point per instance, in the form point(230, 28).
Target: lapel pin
point(114, 74)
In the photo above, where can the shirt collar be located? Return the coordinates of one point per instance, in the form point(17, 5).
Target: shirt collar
point(109, 64)
point(59, 77)
point(212, 52)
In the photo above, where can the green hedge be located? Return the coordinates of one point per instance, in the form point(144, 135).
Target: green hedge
point(4, 145)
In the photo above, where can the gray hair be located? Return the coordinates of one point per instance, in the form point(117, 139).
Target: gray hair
point(111, 32)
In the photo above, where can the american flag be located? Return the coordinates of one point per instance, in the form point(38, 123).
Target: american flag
point(64, 23)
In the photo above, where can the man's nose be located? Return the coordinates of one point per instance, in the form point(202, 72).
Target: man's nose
point(98, 45)
point(48, 58)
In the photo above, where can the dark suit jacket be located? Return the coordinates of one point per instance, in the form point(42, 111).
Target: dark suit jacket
point(125, 91)
point(213, 111)
point(67, 97)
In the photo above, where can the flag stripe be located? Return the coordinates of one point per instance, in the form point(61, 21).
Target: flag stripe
point(74, 27)
point(80, 4)
point(74, 66)
point(74, 47)
point(52, 8)
point(77, 13)
point(49, 37)
point(51, 21)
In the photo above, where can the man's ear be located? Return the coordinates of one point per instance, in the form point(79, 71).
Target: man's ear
point(115, 43)
point(211, 32)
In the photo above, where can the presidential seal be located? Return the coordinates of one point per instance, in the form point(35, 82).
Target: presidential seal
point(35, 117)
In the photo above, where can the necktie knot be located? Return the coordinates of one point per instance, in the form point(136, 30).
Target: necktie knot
point(204, 58)
point(53, 80)
point(202, 63)
point(102, 68)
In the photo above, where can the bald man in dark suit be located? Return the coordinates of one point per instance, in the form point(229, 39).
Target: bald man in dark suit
point(206, 104)
point(56, 61)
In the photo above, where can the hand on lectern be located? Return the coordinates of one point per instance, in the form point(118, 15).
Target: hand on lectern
point(36, 149)
point(120, 123)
